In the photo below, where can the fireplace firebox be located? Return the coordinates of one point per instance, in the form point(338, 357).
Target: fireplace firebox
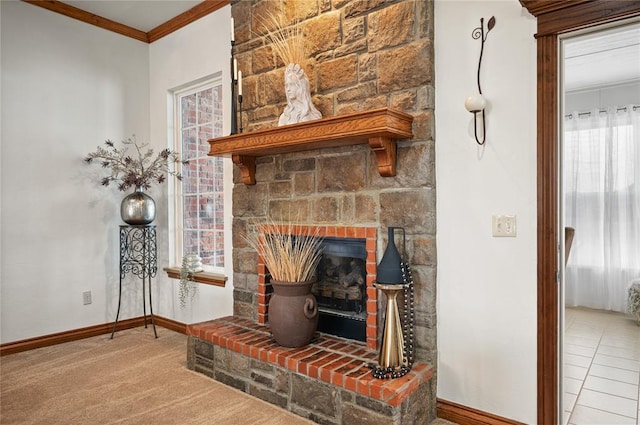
point(350, 316)
point(341, 288)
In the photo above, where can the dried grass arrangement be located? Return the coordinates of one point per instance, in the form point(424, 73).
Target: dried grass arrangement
point(287, 41)
point(291, 253)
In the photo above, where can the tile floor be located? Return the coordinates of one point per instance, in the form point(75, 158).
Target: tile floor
point(601, 368)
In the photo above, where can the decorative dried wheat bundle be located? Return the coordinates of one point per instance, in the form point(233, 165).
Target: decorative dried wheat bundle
point(287, 42)
point(291, 253)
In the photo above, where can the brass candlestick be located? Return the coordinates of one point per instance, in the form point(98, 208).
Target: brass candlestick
point(392, 349)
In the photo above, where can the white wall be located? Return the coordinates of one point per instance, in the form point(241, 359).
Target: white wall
point(486, 285)
point(194, 52)
point(66, 87)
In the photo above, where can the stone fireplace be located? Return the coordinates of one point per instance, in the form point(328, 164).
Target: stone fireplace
point(363, 55)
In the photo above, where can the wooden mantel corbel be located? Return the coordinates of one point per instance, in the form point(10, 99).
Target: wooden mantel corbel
point(380, 128)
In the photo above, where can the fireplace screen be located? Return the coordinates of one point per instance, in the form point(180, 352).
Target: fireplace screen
point(341, 288)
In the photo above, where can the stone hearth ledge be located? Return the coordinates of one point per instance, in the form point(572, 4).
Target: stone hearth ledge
point(339, 363)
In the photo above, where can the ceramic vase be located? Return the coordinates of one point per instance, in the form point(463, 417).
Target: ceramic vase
point(293, 313)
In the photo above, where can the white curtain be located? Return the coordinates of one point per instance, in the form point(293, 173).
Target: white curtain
point(601, 161)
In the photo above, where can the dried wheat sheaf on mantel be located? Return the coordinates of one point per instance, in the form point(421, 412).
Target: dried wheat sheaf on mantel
point(287, 41)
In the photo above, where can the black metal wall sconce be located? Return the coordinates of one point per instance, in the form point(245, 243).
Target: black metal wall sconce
point(476, 103)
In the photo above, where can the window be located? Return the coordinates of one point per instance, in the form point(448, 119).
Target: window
point(200, 210)
point(601, 177)
point(601, 157)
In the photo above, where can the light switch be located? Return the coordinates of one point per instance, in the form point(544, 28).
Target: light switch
point(504, 226)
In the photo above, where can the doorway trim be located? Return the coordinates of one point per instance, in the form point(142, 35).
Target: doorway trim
point(555, 18)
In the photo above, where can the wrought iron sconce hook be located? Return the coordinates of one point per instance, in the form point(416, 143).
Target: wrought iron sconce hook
point(476, 103)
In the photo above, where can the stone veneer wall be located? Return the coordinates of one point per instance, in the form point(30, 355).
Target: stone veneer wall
point(364, 55)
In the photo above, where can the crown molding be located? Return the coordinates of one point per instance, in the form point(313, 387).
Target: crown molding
point(90, 18)
point(538, 7)
point(198, 11)
point(185, 18)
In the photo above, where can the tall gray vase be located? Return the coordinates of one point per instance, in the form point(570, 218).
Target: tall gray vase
point(138, 208)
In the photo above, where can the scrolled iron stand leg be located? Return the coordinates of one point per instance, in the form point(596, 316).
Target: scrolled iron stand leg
point(115, 324)
point(144, 273)
point(153, 322)
point(122, 244)
point(148, 270)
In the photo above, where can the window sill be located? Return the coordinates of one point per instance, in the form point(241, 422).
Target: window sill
point(206, 278)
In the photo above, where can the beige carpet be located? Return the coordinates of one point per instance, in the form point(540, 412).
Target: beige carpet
point(132, 379)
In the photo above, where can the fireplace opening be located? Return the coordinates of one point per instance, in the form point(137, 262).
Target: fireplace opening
point(341, 288)
point(359, 320)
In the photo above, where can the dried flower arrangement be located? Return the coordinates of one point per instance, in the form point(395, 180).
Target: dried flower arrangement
point(287, 42)
point(138, 172)
point(290, 255)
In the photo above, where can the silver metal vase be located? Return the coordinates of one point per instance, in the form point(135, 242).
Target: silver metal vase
point(138, 208)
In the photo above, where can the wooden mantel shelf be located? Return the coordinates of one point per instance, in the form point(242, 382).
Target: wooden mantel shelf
point(380, 128)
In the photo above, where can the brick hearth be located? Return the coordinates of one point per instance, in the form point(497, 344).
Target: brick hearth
point(327, 381)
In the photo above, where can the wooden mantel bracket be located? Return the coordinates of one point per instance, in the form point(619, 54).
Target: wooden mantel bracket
point(247, 165)
point(385, 150)
point(380, 128)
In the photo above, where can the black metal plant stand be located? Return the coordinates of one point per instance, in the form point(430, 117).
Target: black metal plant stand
point(138, 255)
